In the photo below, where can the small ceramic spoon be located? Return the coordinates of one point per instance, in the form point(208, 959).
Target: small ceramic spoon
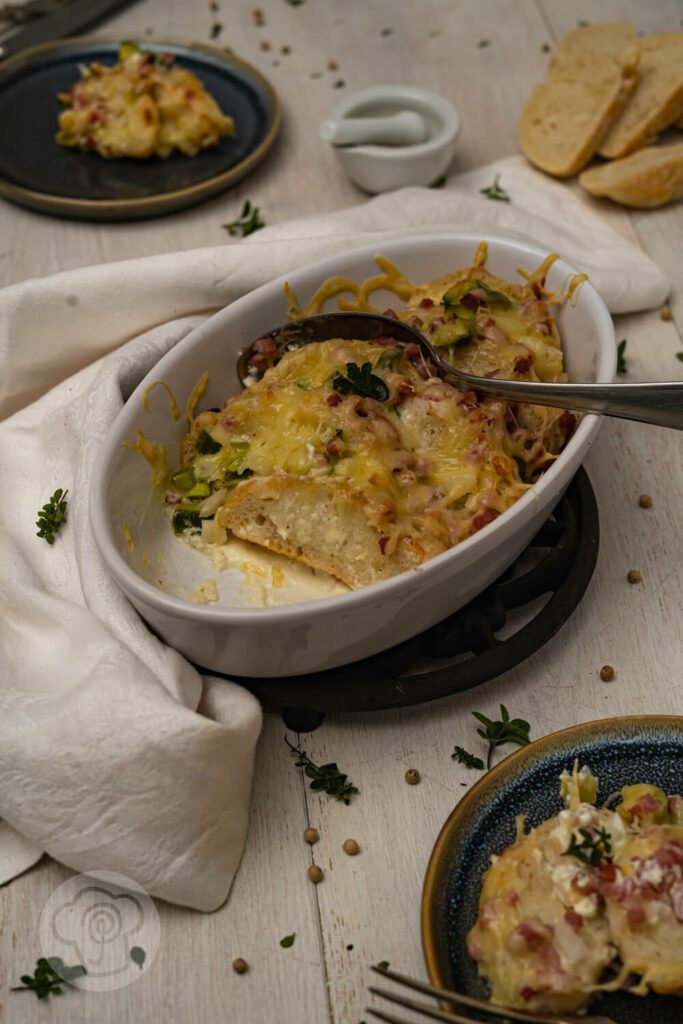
point(658, 403)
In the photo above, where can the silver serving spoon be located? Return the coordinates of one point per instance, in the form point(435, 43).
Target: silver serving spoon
point(659, 403)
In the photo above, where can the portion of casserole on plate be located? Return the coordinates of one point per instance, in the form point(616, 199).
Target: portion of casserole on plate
point(591, 899)
point(141, 107)
point(354, 457)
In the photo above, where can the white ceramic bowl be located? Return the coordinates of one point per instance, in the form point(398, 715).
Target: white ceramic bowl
point(315, 635)
point(382, 168)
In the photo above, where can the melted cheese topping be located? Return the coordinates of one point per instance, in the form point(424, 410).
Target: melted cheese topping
point(141, 107)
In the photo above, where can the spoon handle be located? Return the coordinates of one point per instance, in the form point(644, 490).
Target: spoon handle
point(658, 403)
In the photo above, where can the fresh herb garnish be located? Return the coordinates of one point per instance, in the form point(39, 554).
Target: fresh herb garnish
point(383, 964)
point(621, 357)
point(592, 848)
point(52, 515)
point(440, 182)
point(295, 3)
point(216, 30)
point(508, 730)
point(51, 973)
point(206, 445)
point(138, 956)
point(325, 777)
point(679, 356)
point(288, 940)
point(464, 757)
point(247, 222)
point(186, 520)
point(495, 191)
point(360, 380)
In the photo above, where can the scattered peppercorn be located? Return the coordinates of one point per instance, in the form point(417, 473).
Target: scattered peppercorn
point(607, 673)
point(546, 48)
point(285, 49)
point(332, 65)
point(645, 501)
point(213, 6)
point(351, 847)
point(315, 873)
point(258, 16)
point(216, 30)
point(264, 44)
point(665, 313)
point(311, 835)
point(240, 966)
point(633, 576)
point(350, 945)
point(339, 84)
point(412, 776)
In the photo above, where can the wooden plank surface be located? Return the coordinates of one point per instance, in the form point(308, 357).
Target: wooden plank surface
point(367, 907)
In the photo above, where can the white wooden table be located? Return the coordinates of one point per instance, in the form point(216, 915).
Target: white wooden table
point(367, 908)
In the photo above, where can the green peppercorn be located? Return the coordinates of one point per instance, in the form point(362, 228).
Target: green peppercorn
point(412, 776)
point(606, 673)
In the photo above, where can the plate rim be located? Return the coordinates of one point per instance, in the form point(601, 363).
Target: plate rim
point(160, 203)
point(489, 780)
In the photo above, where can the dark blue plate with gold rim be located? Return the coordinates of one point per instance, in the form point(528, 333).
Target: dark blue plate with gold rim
point(620, 752)
point(38, 173)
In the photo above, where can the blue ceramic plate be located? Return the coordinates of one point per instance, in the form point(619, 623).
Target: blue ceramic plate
point(36, 172)
point(619, 751)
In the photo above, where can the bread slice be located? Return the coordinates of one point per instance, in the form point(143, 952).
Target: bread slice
point(650, 177)
point(567, 117)
point(611, 38)
point(657, 101)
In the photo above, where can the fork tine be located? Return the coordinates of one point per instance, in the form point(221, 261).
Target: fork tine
point(446, 995)
point(428, 1011)
point(388, 1017)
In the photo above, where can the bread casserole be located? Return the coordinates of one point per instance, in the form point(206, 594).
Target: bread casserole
point(590, 900)
point(357, 459)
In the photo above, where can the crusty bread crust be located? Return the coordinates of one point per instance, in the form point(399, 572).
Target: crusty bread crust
point(321, 524)
point(567, 117)
point(650, 177)
point(657, 101)
point(611, 38)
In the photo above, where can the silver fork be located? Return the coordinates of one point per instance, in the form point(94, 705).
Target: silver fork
point(445, 995)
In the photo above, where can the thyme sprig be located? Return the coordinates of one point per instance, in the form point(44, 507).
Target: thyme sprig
point(325, 777)
point(508, 730)
point(621, 357)
point(592, 848)
point(464, 757)
point(248, 221)
point(52, 515)
point(494, 191)
point(50, 974)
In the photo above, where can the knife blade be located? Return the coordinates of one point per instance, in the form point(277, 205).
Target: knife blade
point(63, 22)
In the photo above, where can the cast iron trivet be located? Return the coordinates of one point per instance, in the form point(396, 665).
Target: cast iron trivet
point(562, 557)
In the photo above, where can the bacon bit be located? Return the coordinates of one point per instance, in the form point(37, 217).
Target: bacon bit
point(567, 421)
point(414, 321)
point(404, 388)
point(574, 920)
point(526, 992)
point(523, 363)
point(489, 911)
point(426, 303)
point(646, 805)
point(472, 300)
point(90, 141)
point(470, 400)
point(388, 342)
point(670, 853)
point(392, 313)
point(335, 446)
point(265, 345)
point(383, 541)
point(174, 498)
point(474, 949)
point(333, 399)
point(485, 517)
point(636, 915)
point(501, 466)
point(607, 872)
point(189, 94)
point(676, 897)
point(229, 422)
point(260, 362)
point(148, 116)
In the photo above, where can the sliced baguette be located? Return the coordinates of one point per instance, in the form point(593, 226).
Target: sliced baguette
point(657, 101)
point(611, 38)
point(567, 117)
point(323, 525)
point(650, 177)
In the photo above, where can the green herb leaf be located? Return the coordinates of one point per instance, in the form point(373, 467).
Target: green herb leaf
point(186, 520)
point(52, 515)
point(288, 940)
point(216, 30)
point(383, 964)
point(439, 183)
point(360, 380)
point(50, 974)
point(621, 357)
point(247, 222)
point(206, 445)
point(386, 31)
point(592, 848)
point(508, 730)
point(464, 757)
point(494, 191)
point(138, 956)
point(326, 778)
point(483, 43)
point(679, 356)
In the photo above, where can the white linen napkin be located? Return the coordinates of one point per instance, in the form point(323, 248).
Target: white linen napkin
point(115, 755)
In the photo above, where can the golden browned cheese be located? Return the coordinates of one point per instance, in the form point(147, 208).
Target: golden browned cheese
point(143, 106)
point(366, 482)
